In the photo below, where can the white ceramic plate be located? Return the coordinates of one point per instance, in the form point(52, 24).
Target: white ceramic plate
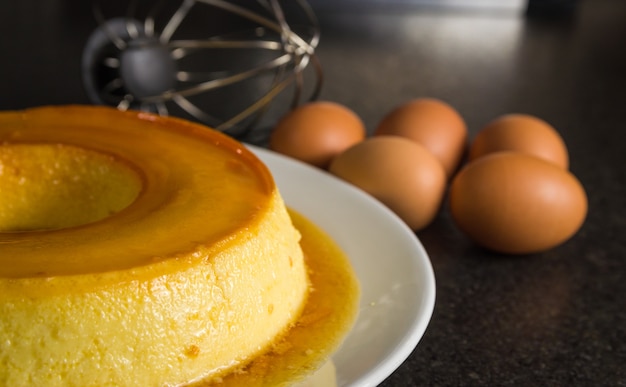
point(395, 274)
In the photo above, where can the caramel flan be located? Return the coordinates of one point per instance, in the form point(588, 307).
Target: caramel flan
point(142, 250)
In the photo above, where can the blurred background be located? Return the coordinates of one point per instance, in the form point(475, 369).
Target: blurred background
point(450, 49)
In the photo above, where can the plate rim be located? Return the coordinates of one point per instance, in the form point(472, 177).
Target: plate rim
point(423, 314)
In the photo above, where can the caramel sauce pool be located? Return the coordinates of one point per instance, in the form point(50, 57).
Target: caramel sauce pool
point(328, 315)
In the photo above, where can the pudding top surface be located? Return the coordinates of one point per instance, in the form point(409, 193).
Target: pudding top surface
point(55, 186)
point(184, 187)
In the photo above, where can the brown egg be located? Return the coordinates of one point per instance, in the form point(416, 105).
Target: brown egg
point(521, 133)
point(400, 173)
point(432, 123)
point(516, 203)
point(316, 132)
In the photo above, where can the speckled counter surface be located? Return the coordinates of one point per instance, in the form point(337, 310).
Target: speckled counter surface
point(551, 319)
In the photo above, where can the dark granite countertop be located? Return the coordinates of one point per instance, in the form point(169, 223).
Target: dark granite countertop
point(552, 319)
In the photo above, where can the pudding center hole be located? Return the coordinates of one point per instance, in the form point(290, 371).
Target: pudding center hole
point(56, 186)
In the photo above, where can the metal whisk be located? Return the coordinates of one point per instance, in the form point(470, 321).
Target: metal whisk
point(225, 79)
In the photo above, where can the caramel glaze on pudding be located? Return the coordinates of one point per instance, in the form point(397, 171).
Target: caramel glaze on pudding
point(140, 250)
